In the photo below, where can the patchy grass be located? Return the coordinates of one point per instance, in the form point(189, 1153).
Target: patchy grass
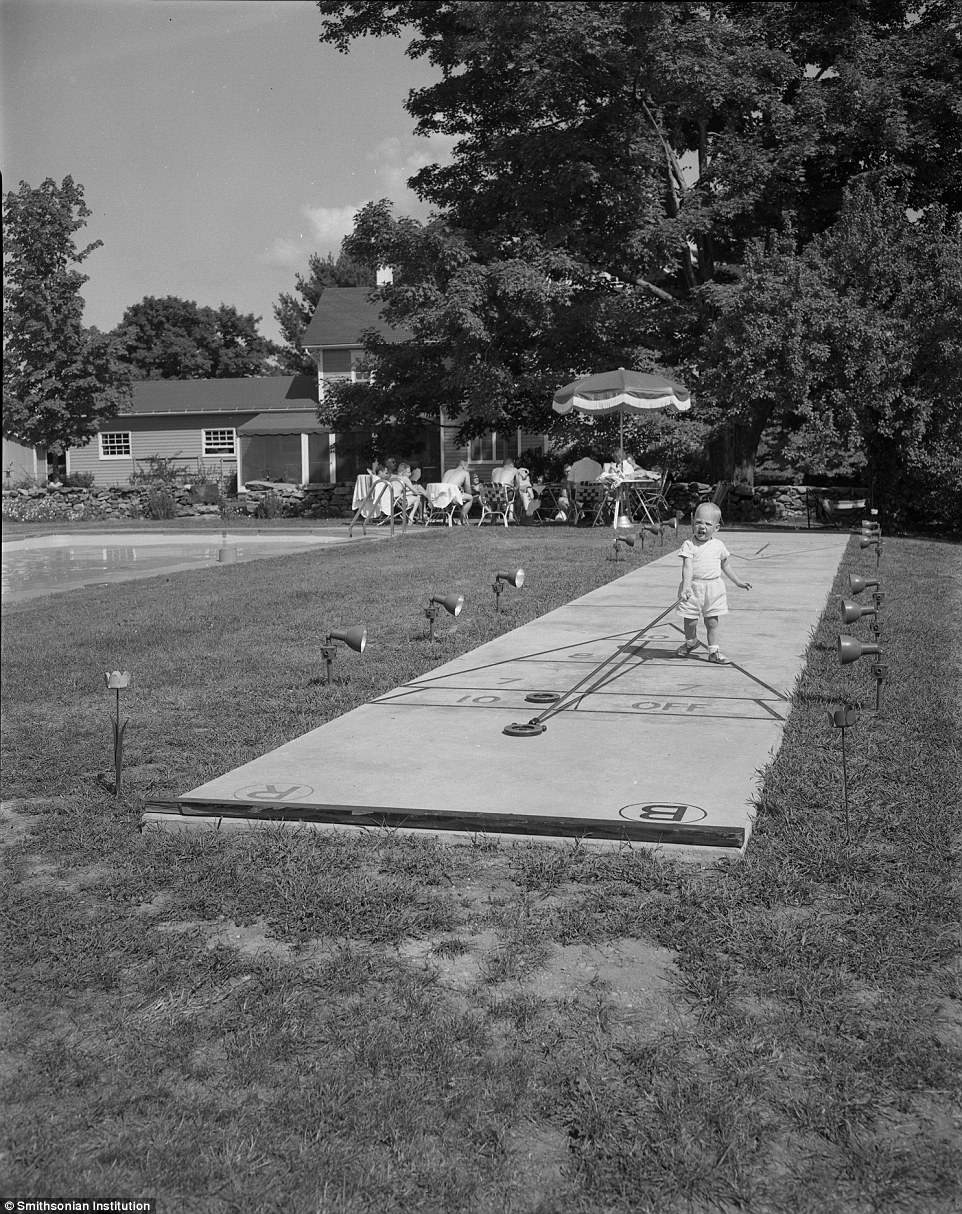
point(391, 1023)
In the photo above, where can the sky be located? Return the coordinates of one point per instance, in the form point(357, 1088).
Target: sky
point(219, 143)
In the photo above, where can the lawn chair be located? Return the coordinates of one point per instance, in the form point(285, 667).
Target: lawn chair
point(586, 498)
point(654, 498)
point(497, 502)
point(442, 501)
point(378, 501)
point(606, 496)
point(830, 511)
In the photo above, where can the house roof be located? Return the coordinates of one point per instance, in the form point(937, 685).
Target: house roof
point(265, 392)
point(292, 421)
point(342, 315)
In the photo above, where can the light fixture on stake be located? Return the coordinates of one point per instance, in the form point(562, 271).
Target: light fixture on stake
point(844, 718)
point(658, 529)
point(852, 612)
point(354, 638)
point(629, 540)
point(118, 680)
point(850, 650)
point(857, 584)
point(870, 541)
point(515, 579)
point(452, 604)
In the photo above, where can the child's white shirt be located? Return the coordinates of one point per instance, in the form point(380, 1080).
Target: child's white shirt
point(706, 559)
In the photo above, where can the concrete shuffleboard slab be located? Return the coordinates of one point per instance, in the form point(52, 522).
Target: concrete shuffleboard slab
point(642, 747)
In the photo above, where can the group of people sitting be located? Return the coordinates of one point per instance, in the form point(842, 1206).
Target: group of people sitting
point(464, 488)
point(468, 489)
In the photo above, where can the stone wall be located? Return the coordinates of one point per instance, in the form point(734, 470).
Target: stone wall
point(764, 503)
point(68, 504)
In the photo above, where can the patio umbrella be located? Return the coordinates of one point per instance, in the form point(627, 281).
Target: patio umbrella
point(621, 392)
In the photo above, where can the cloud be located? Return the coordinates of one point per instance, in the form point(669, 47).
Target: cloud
point(284, 251)
point(392, 162)
point(329, 225)
point(395, 160)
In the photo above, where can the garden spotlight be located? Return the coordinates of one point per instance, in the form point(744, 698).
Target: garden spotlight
point(618, 540)
point(852, 612)
point(515, 579)
point(850, 650)
point(870, 541)
point(117, 681)
point(857, 584)
point(354, 638)
point(658, 529)
point(844, 718)
point(452, 604)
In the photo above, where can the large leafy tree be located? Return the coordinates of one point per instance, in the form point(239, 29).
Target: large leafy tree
point(895, 333)
point(293, 310)
point(58, 376)
point(173, 338)
point(627, 156)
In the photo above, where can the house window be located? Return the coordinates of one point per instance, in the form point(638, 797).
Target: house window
point(337, 362)
point(219, 442)
point(488, 449)
point(115, 444)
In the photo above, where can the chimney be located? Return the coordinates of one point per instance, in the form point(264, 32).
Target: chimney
point(385, 276)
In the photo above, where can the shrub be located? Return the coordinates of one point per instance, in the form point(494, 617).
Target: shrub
point(271, 505)
point(78, 480)
point(205, 492)
point(158, 470)
point(160, 504)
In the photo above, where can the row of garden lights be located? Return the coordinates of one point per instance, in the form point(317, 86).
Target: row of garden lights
point(850, 649)
point(356, 638)
point(653, 529)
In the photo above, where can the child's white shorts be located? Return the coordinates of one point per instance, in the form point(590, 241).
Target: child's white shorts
point(707, 598)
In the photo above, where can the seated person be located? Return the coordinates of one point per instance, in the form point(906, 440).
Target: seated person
point(507, 474)
point(460, 478)
point(526, 494)
point(518, 478)
point(566, 509)
point(376, 468)
point(413, 494)
point(627, 467)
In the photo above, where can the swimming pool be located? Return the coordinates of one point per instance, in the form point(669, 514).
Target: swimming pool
point(52, 564)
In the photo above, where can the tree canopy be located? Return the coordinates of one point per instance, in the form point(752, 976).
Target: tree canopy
point(293, 311)
point(173, 338)
point(619, 167)
point(58, 377)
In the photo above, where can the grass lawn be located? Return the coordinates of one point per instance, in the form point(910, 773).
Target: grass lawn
point(390, 1024)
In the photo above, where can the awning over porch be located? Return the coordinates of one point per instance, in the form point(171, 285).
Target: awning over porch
point(283, 422)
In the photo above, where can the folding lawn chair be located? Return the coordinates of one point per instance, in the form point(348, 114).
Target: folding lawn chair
point(441, 503)
point(497, 502)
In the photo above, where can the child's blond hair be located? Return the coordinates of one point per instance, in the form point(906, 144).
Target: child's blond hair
point(710, 512)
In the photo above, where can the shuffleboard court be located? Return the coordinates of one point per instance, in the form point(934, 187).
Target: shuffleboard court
point(642, 747)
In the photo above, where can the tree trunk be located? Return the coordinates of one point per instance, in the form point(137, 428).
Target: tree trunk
point(732, 449)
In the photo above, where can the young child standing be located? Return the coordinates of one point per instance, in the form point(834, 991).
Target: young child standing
point(702, 592)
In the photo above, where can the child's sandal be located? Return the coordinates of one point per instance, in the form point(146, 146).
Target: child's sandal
point(686, 650)
point(719, 658)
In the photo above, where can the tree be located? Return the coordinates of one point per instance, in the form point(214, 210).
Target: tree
point(172, 338)
point(633, 152)
point(293, 314)
point(58, 377)
point(895, 333)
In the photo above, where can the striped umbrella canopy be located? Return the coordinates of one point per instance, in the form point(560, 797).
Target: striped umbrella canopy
point(622, 391)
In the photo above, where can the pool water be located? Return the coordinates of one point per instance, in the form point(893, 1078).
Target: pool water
point(52, 564)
